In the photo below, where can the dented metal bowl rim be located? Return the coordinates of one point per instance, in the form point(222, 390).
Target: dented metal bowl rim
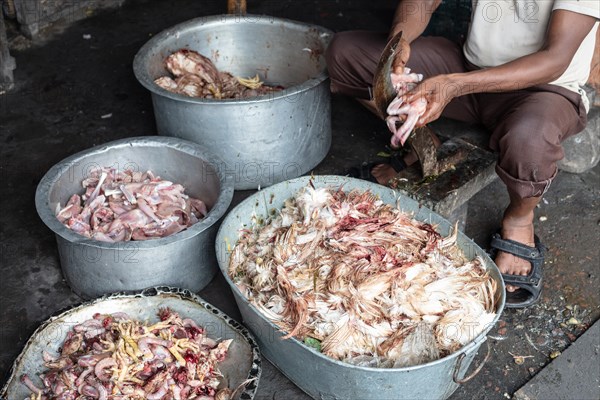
point(466, 349)
point(141, 60)
point(51, 177)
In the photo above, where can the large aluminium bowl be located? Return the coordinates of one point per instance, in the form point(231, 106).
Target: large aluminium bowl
point(242, 363)
point(323, 377)
point(265, 139)
point(185, 259)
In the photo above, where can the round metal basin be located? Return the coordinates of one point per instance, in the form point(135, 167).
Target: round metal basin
point(185, 259)
point(265, 139)
point(241, 366)
point(318, 375)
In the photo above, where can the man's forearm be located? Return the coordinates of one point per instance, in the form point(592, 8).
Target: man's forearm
point(412, 17)
point(535, 69)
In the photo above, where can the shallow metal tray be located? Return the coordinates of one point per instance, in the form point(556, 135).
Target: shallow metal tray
point(242, 364)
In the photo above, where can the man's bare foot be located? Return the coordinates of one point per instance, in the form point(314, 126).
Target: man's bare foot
point(520, 230)
point(385, 172)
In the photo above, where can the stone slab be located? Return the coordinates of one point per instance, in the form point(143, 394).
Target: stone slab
point(575, 374)
point(449, 191)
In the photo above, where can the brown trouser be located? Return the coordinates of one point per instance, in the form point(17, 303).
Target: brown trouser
point(527, 126)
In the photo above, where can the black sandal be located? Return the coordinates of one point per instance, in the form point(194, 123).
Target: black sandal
point(364, 171)
point(530, 285)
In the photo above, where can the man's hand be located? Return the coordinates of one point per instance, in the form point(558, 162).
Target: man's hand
point(436, 92)
point(401, 57)
point(421, 104)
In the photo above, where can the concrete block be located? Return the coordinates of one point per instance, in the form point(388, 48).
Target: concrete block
point(448, 192)
point(575, 374)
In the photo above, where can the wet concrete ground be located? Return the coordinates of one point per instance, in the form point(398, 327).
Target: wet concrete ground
point(65, 84)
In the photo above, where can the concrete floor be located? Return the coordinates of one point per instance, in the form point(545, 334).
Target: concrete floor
point(64, 84)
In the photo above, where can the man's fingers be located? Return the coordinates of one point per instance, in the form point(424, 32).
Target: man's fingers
point(424, 119)
point(429, 116)
point(413, 96)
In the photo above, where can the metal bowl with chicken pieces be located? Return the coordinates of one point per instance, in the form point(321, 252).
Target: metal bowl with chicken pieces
point(247, 88)
point(183, 259)
point(238, 372)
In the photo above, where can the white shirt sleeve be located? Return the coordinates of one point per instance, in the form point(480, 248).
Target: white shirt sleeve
point(585, 7)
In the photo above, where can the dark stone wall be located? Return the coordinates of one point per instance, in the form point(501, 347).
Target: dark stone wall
point(34, 15)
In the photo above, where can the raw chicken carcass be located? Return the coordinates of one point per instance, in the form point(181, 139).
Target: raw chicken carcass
point(196, 76)
point(402, 118)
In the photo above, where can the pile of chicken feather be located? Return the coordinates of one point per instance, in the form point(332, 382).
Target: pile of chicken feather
point(196, 76)
point(111, 357)
point(361, 281)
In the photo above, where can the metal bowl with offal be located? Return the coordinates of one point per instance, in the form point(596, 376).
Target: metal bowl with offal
point(185, 259)
point(323, 377)
point(265, 139)
point(241, 368)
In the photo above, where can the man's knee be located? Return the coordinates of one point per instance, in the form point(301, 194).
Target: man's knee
point(530, 150)
point(338, 52)
point(528, 140)
point(351, 61)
